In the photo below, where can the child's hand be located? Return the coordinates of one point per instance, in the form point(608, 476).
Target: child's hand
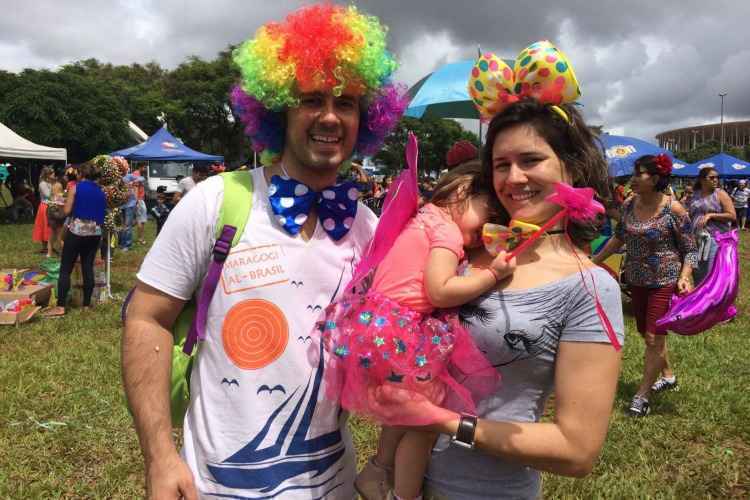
point(500, 268)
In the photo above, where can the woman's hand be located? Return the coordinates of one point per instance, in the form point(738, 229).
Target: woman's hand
point(684, 285)
point(702, 221)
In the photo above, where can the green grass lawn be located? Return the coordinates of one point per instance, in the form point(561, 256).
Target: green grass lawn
point(65, 433)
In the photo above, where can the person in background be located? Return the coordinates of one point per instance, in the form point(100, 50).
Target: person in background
point(176, 197)
point(56, 217)
point(132, 180)
point(618, 193)
point(199, 174)
point(687, 192)
point(460, 153)
point(85, 205)
point(71, 177)
point(740, 196)
point(160, 211)
point(41, 232)
point(141, 214)
point(711, 211)
point(660, 258)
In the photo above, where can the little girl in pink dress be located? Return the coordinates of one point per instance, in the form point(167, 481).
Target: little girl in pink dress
point(401, 330)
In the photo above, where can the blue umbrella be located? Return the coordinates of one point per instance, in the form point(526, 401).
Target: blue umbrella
point(726, 165)
point(444, 94)
point(621, 152)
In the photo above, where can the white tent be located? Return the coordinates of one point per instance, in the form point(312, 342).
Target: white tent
point(13, 145)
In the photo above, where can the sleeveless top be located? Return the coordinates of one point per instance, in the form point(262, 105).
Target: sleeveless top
point(90, 202)
point(699, 205)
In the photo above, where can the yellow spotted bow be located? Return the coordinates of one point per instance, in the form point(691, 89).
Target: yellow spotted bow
point(541, 71)
point(497, 238)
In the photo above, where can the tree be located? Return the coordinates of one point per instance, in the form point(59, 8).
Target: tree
point(710, 148)
point(67, 110)
point(436, 136)
point(200, 111)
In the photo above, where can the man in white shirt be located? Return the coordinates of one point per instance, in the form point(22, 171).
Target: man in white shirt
point(199, 174)
point(258, 425)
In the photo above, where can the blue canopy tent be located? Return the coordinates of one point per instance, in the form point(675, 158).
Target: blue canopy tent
point(621, 153)
point(726, 165)
point(163, 146)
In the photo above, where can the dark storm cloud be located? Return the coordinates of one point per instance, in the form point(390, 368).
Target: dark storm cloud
point(644, 66)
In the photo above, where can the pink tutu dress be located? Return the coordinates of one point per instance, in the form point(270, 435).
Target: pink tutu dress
point(391, 334)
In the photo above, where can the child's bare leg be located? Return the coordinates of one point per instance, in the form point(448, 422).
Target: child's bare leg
point(412, 458)
point(388, 442)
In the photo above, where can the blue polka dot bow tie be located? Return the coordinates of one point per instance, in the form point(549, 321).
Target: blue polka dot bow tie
point(292, 200)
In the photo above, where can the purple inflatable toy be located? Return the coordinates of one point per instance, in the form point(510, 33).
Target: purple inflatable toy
point(712, 301)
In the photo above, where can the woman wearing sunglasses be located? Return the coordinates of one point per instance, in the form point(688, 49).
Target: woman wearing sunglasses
point(711, 211)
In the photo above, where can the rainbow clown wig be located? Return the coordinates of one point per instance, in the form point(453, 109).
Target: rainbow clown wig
point(320, 47)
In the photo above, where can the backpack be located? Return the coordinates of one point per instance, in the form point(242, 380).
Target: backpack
point(189, 327)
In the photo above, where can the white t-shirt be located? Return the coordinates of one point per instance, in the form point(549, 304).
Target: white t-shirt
point(257, 425)
point(186, 184)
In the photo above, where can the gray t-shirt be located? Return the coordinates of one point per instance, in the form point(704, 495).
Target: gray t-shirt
point(519, 331)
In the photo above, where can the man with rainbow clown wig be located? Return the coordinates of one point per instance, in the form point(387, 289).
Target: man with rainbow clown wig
point(315, 90)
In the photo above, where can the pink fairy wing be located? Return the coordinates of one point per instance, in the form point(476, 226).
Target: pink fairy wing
point(400, 205)
point(712, 301)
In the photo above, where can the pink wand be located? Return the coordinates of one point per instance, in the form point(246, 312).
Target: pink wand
point(576, 203)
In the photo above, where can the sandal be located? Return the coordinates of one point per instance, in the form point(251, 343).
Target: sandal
point(374, 481)
point(53, 312)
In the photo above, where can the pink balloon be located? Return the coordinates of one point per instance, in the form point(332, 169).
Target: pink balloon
point(712, 301)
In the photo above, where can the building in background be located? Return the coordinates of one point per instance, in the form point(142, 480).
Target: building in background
point(736, 134)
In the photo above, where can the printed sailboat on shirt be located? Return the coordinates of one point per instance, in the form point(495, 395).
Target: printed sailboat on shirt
point(292, 454)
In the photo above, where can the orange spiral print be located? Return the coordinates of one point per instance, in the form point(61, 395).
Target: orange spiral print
point(255, 333)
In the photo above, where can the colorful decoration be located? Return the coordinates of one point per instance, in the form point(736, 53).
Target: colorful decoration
point(541, 71)
point(663, 164)
point(497, 237)
point(712, 301)
point(320, 47)
point(578, 204)
point(112, 170)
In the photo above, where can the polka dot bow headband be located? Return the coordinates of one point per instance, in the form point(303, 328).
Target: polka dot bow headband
point(541, 71)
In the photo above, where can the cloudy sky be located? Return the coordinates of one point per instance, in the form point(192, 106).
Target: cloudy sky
point(644, 66)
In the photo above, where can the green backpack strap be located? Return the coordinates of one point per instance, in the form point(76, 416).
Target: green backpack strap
point(237, 204)
point(235, 211)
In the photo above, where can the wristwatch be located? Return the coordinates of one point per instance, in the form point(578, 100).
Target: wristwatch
point(464, 437)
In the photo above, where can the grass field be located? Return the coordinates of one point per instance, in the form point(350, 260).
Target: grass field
point(65, 433)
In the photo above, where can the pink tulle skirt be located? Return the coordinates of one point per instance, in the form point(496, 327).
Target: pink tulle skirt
point(372, 340)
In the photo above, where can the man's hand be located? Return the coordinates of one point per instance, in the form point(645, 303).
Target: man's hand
point(170, 479)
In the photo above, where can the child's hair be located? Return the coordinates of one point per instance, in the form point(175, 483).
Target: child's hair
point(647, 163)
point(573, 143)
point(460, 184)
point(317, 47)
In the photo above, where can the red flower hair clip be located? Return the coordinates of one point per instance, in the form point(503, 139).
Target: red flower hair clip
point(663, 164)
